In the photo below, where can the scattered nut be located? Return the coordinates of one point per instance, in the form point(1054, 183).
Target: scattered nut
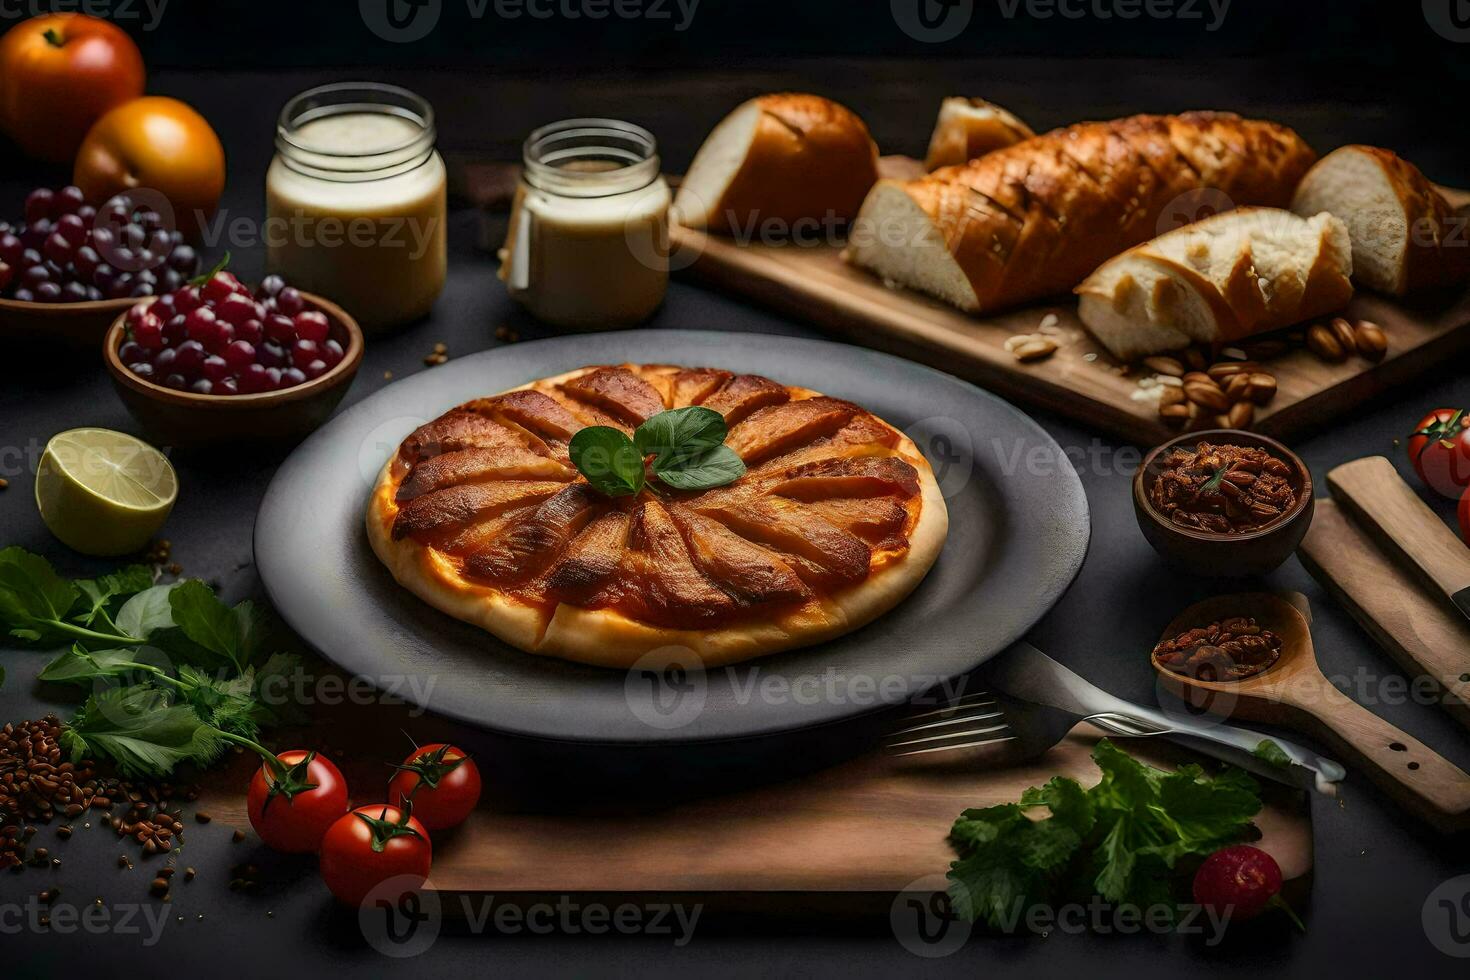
point(1238, 387)
point(4, 483)
point(1206, 395)
point(1176, 414)
point(1343, 331)
point(1370, 340)
point(1170, 395)
point(1241, 415)
point(1323, 341)
point(1031, 348)
point(1225, 369)
point(1195, 359)
point(1263, 387)
point(1164, 365)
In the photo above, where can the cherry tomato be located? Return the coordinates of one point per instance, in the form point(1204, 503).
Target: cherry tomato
point(1439, 448)
point(1465, 517)
point(372, 845)
point(1241, 882)
point(291, 806)
point(443, 783)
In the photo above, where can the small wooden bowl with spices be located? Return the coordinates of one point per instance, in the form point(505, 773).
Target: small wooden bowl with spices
point(1223, 503)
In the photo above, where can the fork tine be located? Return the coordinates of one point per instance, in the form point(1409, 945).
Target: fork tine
point(975, 700)
point(999, 734)
point(966, 718)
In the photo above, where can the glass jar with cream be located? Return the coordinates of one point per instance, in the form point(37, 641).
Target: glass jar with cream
point(588, 243)
point(355, 201)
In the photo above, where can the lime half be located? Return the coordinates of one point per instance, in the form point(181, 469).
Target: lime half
point(102, 492)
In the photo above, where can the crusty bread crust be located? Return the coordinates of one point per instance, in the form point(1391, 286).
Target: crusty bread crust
point(1034, 219)
point(1434, 250)
point(970, 128)
point(1245, 271)
point(808, 158)
point(607, 637)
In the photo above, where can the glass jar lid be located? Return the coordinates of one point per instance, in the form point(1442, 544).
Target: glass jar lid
point(355, 131)
point(590, 158)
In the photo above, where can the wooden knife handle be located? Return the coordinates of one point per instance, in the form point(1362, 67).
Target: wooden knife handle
point(1418, 778)
point(1386, 507)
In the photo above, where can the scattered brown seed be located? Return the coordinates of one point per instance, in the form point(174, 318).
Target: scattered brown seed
point(1225, 369)
point(1323, 341)
point(237, 836)
point(1370, 340)
point(158, 886)
point(202, 817)
point(506, 335)
point(1343, 331)
point(4, 483)
point(1164, 365)
point(1241, 415)
point(1206, 395)
point(387, 375)
point(64, 833)
point(189, 874)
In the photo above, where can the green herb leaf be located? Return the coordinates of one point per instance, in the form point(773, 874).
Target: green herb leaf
point(98, 593)
point(608, 459)
point(34, 600)
point(1124, 839)
point(680, 431)
point(140, 730)
point(228, 633)
point(1213, 483)
point(226, 703)
point(147, 611)
point(82, 666)
point(710, 468)
point(1272, 754)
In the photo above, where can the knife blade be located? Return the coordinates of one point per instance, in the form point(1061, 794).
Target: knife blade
point(1404, 526)
point(1026, 674)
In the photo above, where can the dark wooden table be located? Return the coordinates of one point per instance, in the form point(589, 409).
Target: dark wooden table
point(1375, 868)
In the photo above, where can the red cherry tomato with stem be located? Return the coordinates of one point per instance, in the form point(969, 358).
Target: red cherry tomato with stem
point(372, 845)
point(294, 797)
point(443, 783)
point(1439, 448)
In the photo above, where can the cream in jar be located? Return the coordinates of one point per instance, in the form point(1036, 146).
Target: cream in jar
point(355, 201)
point(588, 242)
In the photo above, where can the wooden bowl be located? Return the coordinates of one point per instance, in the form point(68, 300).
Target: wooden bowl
point(1224, 555)
point(72, 326)
point(187, 420)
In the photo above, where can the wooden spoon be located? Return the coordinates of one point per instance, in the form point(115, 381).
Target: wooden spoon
point(1294, 693)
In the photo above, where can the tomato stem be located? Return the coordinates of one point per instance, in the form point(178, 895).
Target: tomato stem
point(54, 38)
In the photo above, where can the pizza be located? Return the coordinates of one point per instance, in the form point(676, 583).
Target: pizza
point(482, 514)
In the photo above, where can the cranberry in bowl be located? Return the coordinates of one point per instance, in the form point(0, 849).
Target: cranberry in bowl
point(216, 363)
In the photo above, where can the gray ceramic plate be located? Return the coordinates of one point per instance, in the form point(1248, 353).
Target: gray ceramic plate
point(1018, 533)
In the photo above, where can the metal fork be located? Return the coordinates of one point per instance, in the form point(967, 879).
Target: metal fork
point(982, 719)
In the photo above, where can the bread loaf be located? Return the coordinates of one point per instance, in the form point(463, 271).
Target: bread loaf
point(1036, 218)
point(1405, 236)
point(776, 160)
point(1215, 281)
point(970, 128)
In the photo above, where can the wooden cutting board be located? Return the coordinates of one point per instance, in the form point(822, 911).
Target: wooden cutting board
point(1080, 380)
point(1414, 626)
point(846, 838)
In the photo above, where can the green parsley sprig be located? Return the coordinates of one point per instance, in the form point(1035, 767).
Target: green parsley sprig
point(683, 447)
point(175, 673)
point(1131, 839)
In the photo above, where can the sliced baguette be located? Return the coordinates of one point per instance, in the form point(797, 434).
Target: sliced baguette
point(1405, 234)
point(1218, 280)
point(970, 128)
point(1034, 219)
point(776, 160)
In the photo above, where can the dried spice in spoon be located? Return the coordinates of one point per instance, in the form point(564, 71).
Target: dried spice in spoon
point(1230, 650)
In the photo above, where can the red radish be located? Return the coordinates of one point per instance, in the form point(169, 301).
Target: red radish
point(1241, 882)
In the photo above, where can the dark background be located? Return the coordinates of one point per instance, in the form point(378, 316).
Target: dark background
point(1342, 71)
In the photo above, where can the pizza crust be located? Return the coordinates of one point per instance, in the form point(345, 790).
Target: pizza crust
point(607, 637)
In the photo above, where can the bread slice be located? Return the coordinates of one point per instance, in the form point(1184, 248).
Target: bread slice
point(1404, 233)
point(1036, 218)
point(970, 128)
point(1229, 276)
point(776, 160)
